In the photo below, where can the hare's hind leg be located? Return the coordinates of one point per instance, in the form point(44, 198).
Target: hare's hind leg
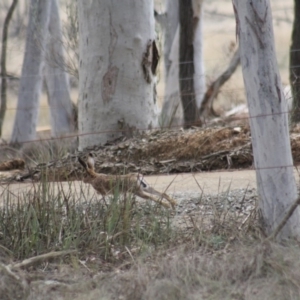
point(145, 187)
point(152, 191)
point(172, 201)
point(149, 197)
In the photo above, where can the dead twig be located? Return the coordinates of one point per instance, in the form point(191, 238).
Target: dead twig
point(8, 271)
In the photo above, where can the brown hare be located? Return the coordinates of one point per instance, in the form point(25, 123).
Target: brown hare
point(133, 183)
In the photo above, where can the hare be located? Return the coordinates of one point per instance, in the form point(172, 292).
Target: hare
point(133, 183)
point(12, 164)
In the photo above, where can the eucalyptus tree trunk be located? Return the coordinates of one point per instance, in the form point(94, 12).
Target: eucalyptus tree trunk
point(172, 21)
point(32, 73)
point(118, 59)
point(3, 93)
point(199, 70)
point(186, 63)
point(172, 113)
point(185, 79)
point(268, 119)
point(294, 64)
point(56, 78)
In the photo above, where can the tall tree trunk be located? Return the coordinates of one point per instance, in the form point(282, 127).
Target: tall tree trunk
point(117, 62)
point(268, 120)
point(56, 78)
point(199, 76)
point(172, 21)
point(294, 64)
point(32, 71)
point(172, 111)
point(3, 94)
point(186, 68)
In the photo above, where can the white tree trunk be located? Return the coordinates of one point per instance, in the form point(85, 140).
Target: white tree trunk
point(31, 78)
point(199, 77)
point(268, 120)
point(56, 78)
point(172, 21)
point(116, 93)
point(172, 111)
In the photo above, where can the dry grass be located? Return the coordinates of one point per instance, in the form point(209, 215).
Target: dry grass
point(261, 271)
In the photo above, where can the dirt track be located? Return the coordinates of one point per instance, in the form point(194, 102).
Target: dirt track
point(210, 182)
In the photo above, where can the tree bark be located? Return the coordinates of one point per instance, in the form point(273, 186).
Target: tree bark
point(294, 64)
point(199, 76)
point(172, 113)
point(268, 119)
point(32, 71)
point(56, 78)
point(117, 60)
point(172, 21)
point(3, 99)
point(186, 68)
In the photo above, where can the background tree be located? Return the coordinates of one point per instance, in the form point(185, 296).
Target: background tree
point(32, 72)
point(171, 113)
point(268, 121)
point(118, 60)
point(294, 63)
point(187, 68)
point(191, 71)
point(3, 93)
point(169, 21)
point(56, 78)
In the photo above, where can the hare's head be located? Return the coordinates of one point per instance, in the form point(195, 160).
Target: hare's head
point(91, 161)
point(88, 166)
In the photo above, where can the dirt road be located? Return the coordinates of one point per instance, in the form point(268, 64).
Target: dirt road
point(208, 182)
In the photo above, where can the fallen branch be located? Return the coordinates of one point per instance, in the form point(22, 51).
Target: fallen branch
point(284, 220)
point(222, 152)
point(40, 258)
point(214, 88)
point(8, 272)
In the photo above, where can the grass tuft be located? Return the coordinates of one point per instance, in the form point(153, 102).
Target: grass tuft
point(51, 217)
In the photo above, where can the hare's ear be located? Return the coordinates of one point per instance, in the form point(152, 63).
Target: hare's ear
point(91, 161)
point(82, 163)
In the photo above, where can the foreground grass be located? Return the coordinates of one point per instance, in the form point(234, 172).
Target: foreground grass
point(49, 218)
point(127, 249)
